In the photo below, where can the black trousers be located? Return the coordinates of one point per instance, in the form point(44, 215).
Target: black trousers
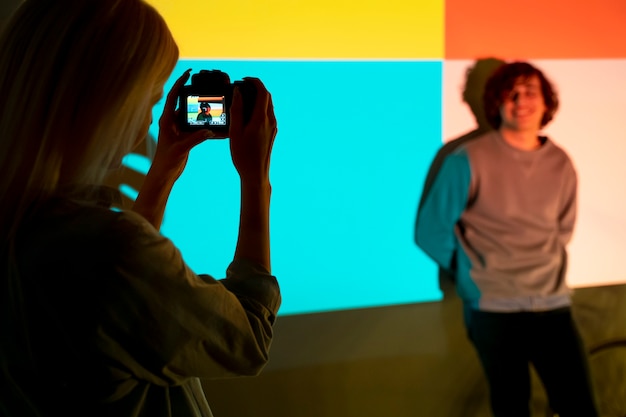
point(508, 342)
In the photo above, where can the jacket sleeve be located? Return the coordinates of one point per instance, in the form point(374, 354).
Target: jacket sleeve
point(163, 323)
point(442, 209)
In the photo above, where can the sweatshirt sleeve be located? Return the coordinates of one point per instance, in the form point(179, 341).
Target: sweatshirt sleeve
point(567, 215)
point(442, 209)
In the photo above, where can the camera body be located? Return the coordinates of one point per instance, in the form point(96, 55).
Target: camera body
point(205, 104)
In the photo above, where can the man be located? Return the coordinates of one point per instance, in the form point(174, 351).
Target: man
point(205, 114)
point(499, 215)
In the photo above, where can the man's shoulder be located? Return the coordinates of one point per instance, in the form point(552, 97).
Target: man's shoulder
point(485, 140)
point(560, 157)
point(483, 144)
point(555, 148)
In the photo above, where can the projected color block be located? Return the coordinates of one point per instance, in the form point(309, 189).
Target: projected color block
point(288, 29)
point(535, 29)
point(359, 91)
point(347, 168)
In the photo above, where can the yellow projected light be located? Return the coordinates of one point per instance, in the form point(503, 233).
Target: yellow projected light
point(334, 29)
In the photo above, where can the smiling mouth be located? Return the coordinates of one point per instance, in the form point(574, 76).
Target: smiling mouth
point(525, 113)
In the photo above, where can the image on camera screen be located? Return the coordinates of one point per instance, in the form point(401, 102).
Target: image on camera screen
point(206, 111)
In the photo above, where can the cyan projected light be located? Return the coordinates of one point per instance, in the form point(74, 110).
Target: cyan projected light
point(355, 140)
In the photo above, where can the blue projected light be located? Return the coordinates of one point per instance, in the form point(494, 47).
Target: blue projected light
point(355, 140)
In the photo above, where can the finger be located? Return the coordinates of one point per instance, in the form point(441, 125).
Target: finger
point(262, 99)
point(271, 117)
point(198, 137)
point(172, 96)
point(236, 114)
point(270, 111)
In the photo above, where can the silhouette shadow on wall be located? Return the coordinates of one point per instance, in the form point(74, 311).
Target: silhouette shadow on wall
point(476, 78)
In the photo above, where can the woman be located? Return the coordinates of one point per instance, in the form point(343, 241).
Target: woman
point(100, 314)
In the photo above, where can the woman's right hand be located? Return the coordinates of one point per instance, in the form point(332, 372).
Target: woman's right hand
point(251, 144)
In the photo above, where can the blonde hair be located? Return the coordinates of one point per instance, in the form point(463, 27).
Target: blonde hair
point(78, 79)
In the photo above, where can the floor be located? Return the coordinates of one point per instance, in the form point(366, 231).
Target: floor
point(407, 360)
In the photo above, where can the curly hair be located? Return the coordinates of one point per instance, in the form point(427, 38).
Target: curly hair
point(501, 83)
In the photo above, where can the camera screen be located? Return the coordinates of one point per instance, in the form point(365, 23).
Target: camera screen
point(206, 110)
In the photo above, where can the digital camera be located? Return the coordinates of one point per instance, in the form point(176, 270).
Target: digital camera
point(205, 104)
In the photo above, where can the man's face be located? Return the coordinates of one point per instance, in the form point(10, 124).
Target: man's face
point(523, 107)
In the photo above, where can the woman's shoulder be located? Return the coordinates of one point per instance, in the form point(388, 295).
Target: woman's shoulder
point(64, 223)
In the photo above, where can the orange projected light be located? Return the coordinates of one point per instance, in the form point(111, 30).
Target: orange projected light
point(535, 28)
point(394, 29)
point(219, 99)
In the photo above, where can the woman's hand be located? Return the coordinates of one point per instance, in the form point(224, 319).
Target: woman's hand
point(170, 158)
point(251, 145)
point(174, 144)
